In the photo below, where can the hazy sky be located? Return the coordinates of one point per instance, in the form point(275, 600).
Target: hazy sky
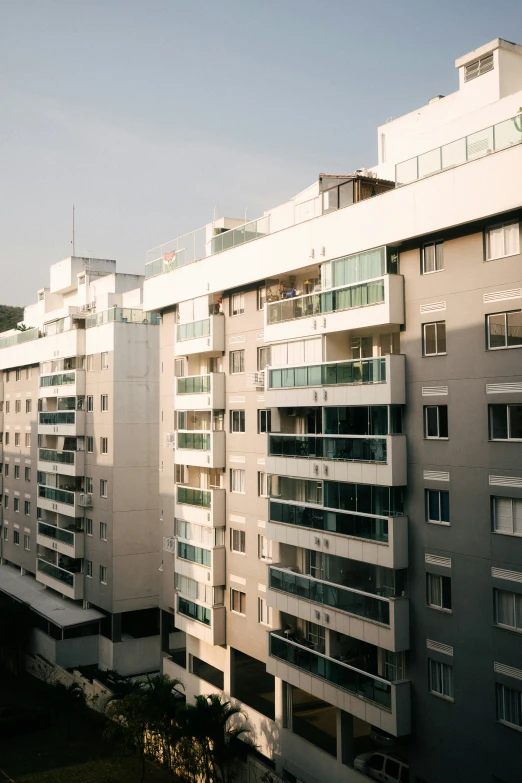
point(146, 113)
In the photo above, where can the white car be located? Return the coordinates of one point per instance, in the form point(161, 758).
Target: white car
point(384, 767)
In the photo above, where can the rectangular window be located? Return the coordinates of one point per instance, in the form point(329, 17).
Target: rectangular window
point(103, 488)
point(440, 677)
point(508, 609)
point(435, 421)
point(509, 705)
point(434, 338)
point(88, 568)
point(237, 421)
point(103, 575)
point(437, 506)
point(17, 439)
point(27, 543)
point(237, 304)
point(194, 554)
point(104, 445)
point(89, 485)
point(18, 406)
point(237, 541)
point(16, 537)
point(16, 505)
point(264, 548)
point(237, 362)
point(6, 501)
point(105, 361)
point(237, 480)
point(438, 591)
point(505, 422)
point(506, 516)
point(181, 474)
point(103, 531)
point(88, 526)
point(18, 374)
point(237, 602)
point(28, 405)
point(17, 471)
point(28, 440)
point(262, 484)
point(6, 534)
point(7, 438)
point(504, 330)
point(90, 403)
point(432, 257)
point(90, 363)
point(261, 297)
point(27, 508)
point(28, 373)
point(90, 445)
point(263, 357)
point(264, 613)
point(6, 470)
point(7, 406)
point(502, 241)
point(6, 376)
point(104, 403)
point(264, 423)
point(28, 474)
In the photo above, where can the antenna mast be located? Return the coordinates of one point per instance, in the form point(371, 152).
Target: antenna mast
point(73, 247)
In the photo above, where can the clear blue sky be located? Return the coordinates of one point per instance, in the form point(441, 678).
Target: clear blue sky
point(146, 113)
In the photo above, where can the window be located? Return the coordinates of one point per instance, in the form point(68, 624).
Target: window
point(90, 363)
point(237, 304)
point(478, 68)
point(18, 374)
point(502, 241)
point(506, 516)
point(7, 438)
point(435, 421)
point(434, 338)
point(504, 330)
point(194, 554)
point(17, 439)
point(264, 612)
point(90, 445)
point(16, 505)
point(509, 705)
point(237, 602)
point(104, 403)
point(438, 591)
point(505, 422)
point(6, 470)
point(27, 508)
point(104, 445)
point(508, 609)
point(103, 488)
point(237, 421)
point(237, 480)
point(264, 423)
point(263, 357)
point(103, 531)
point(17, 471)
point(89, 485)
point(262, 484)
point(432, 257)
point(181, 474)
point(103, 575)
point(437, 506)
point(28, 405)
point(7, 406)
point(261, 297)
point(28, 373)
point(88, 526)
point(16, 537)
point(237, 541)
point(6, 534)
point(27, 542)
point(105, 361)
point(28, 440)
point(18, 406)
point(237, 362)
point(264, 548)
point(440, 676)
point(90, 403)
point(28, 474)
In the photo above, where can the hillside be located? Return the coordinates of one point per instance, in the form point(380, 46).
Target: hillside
point(10, 316)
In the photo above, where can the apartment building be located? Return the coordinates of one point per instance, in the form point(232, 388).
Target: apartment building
point(340, 459)
point(79, 465)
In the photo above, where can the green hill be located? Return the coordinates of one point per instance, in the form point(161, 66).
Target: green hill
point(10, 316)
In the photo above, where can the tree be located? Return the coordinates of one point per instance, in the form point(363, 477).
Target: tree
point(15, 639)
point(69, 699)
point(127, 729)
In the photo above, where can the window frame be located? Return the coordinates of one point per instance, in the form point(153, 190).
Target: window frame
point(264, 548)
point(27, 473)
point(487, 246)
point(440, 667)
point(89, 444)
point(241, 601)
point(104, 359)
point(505, 347)
point(501, 688)
point(237, 538)
point(88, 568)
point(88, 526)
point(104, 403)
point(508, 407)
point(436, 244)
point(90, 403)
point(427, 494)
point(103, 531)
point(517, 609)
point(266, 428)
point(239, 296)
point(494, 529)
point(104, 445)
point(238, 473)
point(16, 537)
point(237, 421)
point(264, 612)
point(430, 576)
point(241, 354)
point(437, 352)
point(262, 484)
point(27, 508)
point(27, 542)
point(103, 574)
point(260, 298)
point(426, 409)
point(28, 405)
point(104, 488)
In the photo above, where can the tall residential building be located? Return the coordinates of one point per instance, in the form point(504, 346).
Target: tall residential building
point(79, 465)
point(340, 452)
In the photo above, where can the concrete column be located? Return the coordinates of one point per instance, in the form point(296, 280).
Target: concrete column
point(345, 744)
point(278, 696)
point(116, 628)
point(228, 678)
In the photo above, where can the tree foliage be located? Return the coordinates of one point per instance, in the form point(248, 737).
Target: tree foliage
point(9, 317)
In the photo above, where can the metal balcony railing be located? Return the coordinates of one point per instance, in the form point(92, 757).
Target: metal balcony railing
point(314, 447)
point(355, 371)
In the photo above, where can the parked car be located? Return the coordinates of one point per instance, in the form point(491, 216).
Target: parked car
point(19, 720)
point(383, 767)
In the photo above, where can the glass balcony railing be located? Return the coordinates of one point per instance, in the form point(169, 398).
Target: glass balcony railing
point(121, 315)
point(193, 329)
point(58, 495)
point(60, 379)
point(51, 455)
point(343, 449)
point(193, 384)
point(359, 295)
point(199, 441)
point(195, 611)
point(19, 337)
point(238, 236)
point(56, 533)
point(476, 145)
point(57, 417)
point(345, 599)
point(368, 687)
point(352, 525)
point(194, 497)
point(356, 371)
point(55, 572)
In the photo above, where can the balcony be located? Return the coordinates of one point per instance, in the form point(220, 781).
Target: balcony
point(379, 620)
point(378, 381)
point(69, 382)
point(68, 542)
point(70, 423)
point(202, 506)
point(369, 460)
point(68, 463)
point(62, 501)
point(122, 315)
point(379, 702)
point(381, 541)
point(203, 622)
point(67, 583)
point(201, 449)
point(206, 336)
point(362, 305)
point(205, 565)
point(200, 392)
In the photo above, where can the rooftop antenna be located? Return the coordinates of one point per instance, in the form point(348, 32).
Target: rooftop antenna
point(246, 210)
point(72, 243)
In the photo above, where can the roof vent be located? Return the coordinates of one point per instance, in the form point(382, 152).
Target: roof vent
point(435, 98)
